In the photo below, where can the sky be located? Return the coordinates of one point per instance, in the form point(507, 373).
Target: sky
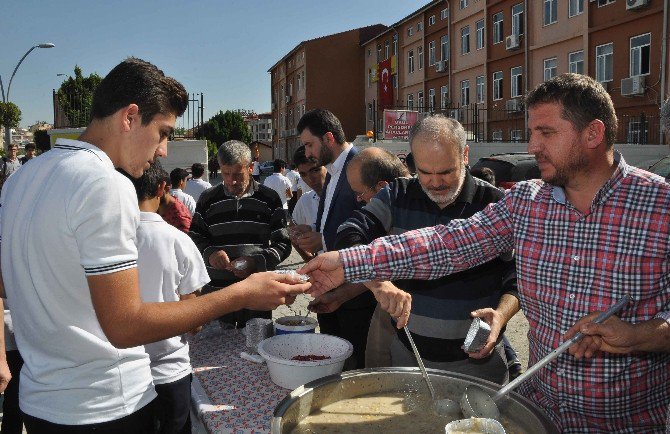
point(220, 48)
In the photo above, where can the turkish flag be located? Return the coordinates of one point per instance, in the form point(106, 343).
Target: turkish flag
point(385, 85)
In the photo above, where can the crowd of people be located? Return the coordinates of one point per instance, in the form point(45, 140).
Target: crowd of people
point(108, 260)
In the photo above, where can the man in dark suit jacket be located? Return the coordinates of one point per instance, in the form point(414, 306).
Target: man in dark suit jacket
point(322, 134)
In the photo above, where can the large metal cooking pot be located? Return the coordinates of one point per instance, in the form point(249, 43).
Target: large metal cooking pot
point(306, 399)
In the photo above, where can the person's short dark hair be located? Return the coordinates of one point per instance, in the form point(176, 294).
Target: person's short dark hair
point(177, 175)
point(30, 146)
point(322, 121)
point(583, 100)
point(135, 81)
point(484, 173)
point(409, 162)
point(147, 185)
point(299, 157)
point(379, 166)
point(197, 170)
point(279, 165)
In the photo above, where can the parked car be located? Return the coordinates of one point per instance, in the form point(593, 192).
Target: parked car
point(267, 168)
point(661, 167)
point(510, 168)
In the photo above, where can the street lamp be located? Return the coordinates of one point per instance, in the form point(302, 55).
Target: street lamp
point(5, 97)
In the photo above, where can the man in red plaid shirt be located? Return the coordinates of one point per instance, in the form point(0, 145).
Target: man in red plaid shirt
point(593, 229)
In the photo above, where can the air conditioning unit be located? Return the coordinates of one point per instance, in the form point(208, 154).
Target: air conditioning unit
point(514, 105)
point(632, 86)
point(512, 42)
point(441, 66)
point(288, 99)
point(636, 4)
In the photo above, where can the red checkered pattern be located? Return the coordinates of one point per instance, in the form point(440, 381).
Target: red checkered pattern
point(568, 265)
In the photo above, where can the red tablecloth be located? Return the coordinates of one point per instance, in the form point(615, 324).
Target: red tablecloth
point(241, 394)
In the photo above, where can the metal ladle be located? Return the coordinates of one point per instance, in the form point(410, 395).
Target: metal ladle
point(475, 402)
point(442, 407)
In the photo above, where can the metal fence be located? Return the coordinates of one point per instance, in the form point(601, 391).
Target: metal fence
point(509, 124)
point(74, 112)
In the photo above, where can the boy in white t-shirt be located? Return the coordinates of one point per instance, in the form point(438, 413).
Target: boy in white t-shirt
point(170, 269)
point(79, 319)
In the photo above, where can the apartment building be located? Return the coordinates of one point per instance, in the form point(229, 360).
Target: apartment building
point(319, 73)
point(260, 127)
point(475, 60)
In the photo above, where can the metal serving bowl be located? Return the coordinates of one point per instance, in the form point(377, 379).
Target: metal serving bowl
point(306, 399)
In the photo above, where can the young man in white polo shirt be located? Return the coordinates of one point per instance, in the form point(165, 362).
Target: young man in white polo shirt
point(171, 269)
point(68, 255)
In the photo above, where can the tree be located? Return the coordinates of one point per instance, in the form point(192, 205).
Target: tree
point(225, 126)
point(75, 97)
point(42, 140)
point(10, 115)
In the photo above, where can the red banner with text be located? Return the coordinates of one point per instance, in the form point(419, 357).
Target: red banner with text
point(397, 123)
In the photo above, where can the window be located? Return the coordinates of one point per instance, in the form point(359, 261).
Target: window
point(431, 53)
point(369, 77)
point(379, 53)
point(465, 40)
point(496, 135)
point(604, 62)
point(431, 100)
point(517, 19)
point(463, 4)
point(410, 31)
point(480, 34)
point(444, 14)
point(465, 92)
point(638, 131)
point(516, 74)
point(498, 28)
point(576, 62)
point(419, 52)
point(444, 97)
point(605, 2)
point(515, 135)
point(419, 100)
point(410, 101)
point(444, 47)
point(370, 117)
point(395, 44)
point(419, 26)
point(639, 54)
point(497, 85)
point(369, 53)
point(575, 7)
point(550, 67)
point(431, 20)
point(410, 62)
point(395, 81)
point(480, 89)
point(386, 50)
point(550, 12)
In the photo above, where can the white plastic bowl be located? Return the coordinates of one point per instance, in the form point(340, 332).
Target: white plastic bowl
point(281, 328)
point(278, 351)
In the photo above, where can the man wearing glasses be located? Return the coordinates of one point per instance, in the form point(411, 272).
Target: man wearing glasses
point(303, 228)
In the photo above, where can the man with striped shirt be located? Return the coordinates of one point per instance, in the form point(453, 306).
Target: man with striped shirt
point(593, 229)
point(239, 226)
point(443, 190)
